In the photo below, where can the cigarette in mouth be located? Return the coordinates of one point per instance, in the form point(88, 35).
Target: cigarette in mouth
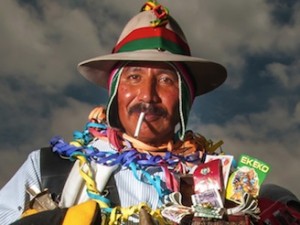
point(139, 124)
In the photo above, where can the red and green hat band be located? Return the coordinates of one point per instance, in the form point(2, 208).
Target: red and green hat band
point(153, 38)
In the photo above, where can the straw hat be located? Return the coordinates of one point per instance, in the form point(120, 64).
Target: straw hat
point(153, 35)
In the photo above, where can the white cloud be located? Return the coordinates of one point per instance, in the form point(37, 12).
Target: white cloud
point(288, 39)
point(51, 47)
point(287, 75)
point(67, 119)
point(296, 114)
point(45, 50)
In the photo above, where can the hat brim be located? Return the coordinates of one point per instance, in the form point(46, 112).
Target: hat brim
point(206, 74)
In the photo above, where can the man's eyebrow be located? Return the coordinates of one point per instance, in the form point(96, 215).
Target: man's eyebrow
point(159, 70)
point(133, 69)
point(165, 70)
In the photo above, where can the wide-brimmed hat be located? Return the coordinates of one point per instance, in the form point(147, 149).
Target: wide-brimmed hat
point(153, 35)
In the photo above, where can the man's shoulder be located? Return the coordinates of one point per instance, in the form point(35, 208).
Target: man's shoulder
point(54, 169)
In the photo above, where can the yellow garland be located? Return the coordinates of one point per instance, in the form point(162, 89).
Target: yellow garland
point(118, 214)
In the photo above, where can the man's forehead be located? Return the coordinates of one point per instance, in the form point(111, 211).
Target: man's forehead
point(140, 66)
point(137, 66)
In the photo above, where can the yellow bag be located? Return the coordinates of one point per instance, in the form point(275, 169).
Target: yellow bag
point(87, 213)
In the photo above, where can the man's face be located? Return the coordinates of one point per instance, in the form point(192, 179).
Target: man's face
point(152, 88)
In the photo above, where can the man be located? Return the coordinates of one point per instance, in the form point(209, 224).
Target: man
point(151, 73)
point(131, 156)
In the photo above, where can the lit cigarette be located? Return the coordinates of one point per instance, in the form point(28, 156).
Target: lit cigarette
point(139, 124)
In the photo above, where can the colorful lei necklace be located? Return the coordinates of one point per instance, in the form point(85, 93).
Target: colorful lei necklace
point(134, 155)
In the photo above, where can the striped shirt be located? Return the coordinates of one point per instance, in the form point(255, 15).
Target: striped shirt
point(131, 191)
point(13, 196)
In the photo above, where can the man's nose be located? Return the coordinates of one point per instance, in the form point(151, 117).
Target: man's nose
point(148, 92)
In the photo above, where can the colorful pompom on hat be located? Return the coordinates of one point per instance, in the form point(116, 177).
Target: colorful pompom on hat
point(153, 35)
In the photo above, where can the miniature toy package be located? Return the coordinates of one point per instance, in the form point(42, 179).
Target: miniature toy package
point(247, 178)
point(209, 188)
point(219, 192)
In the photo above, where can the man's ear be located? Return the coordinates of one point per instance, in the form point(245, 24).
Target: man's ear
point(114, 119)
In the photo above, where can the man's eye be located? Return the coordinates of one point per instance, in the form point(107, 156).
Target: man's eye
point(134, 77)
point(167, 80)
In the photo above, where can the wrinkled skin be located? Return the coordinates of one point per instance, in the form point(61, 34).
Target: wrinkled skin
point(152, 85)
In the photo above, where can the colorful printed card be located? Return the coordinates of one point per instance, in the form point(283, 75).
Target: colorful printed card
point(226, 164)
point(208, 199)
point(248, 178)
point(176, 213)
point(208, 176)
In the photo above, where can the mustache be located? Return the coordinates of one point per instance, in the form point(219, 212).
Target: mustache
point(147, 108)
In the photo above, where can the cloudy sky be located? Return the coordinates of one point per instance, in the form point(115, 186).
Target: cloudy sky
point(256, 112)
